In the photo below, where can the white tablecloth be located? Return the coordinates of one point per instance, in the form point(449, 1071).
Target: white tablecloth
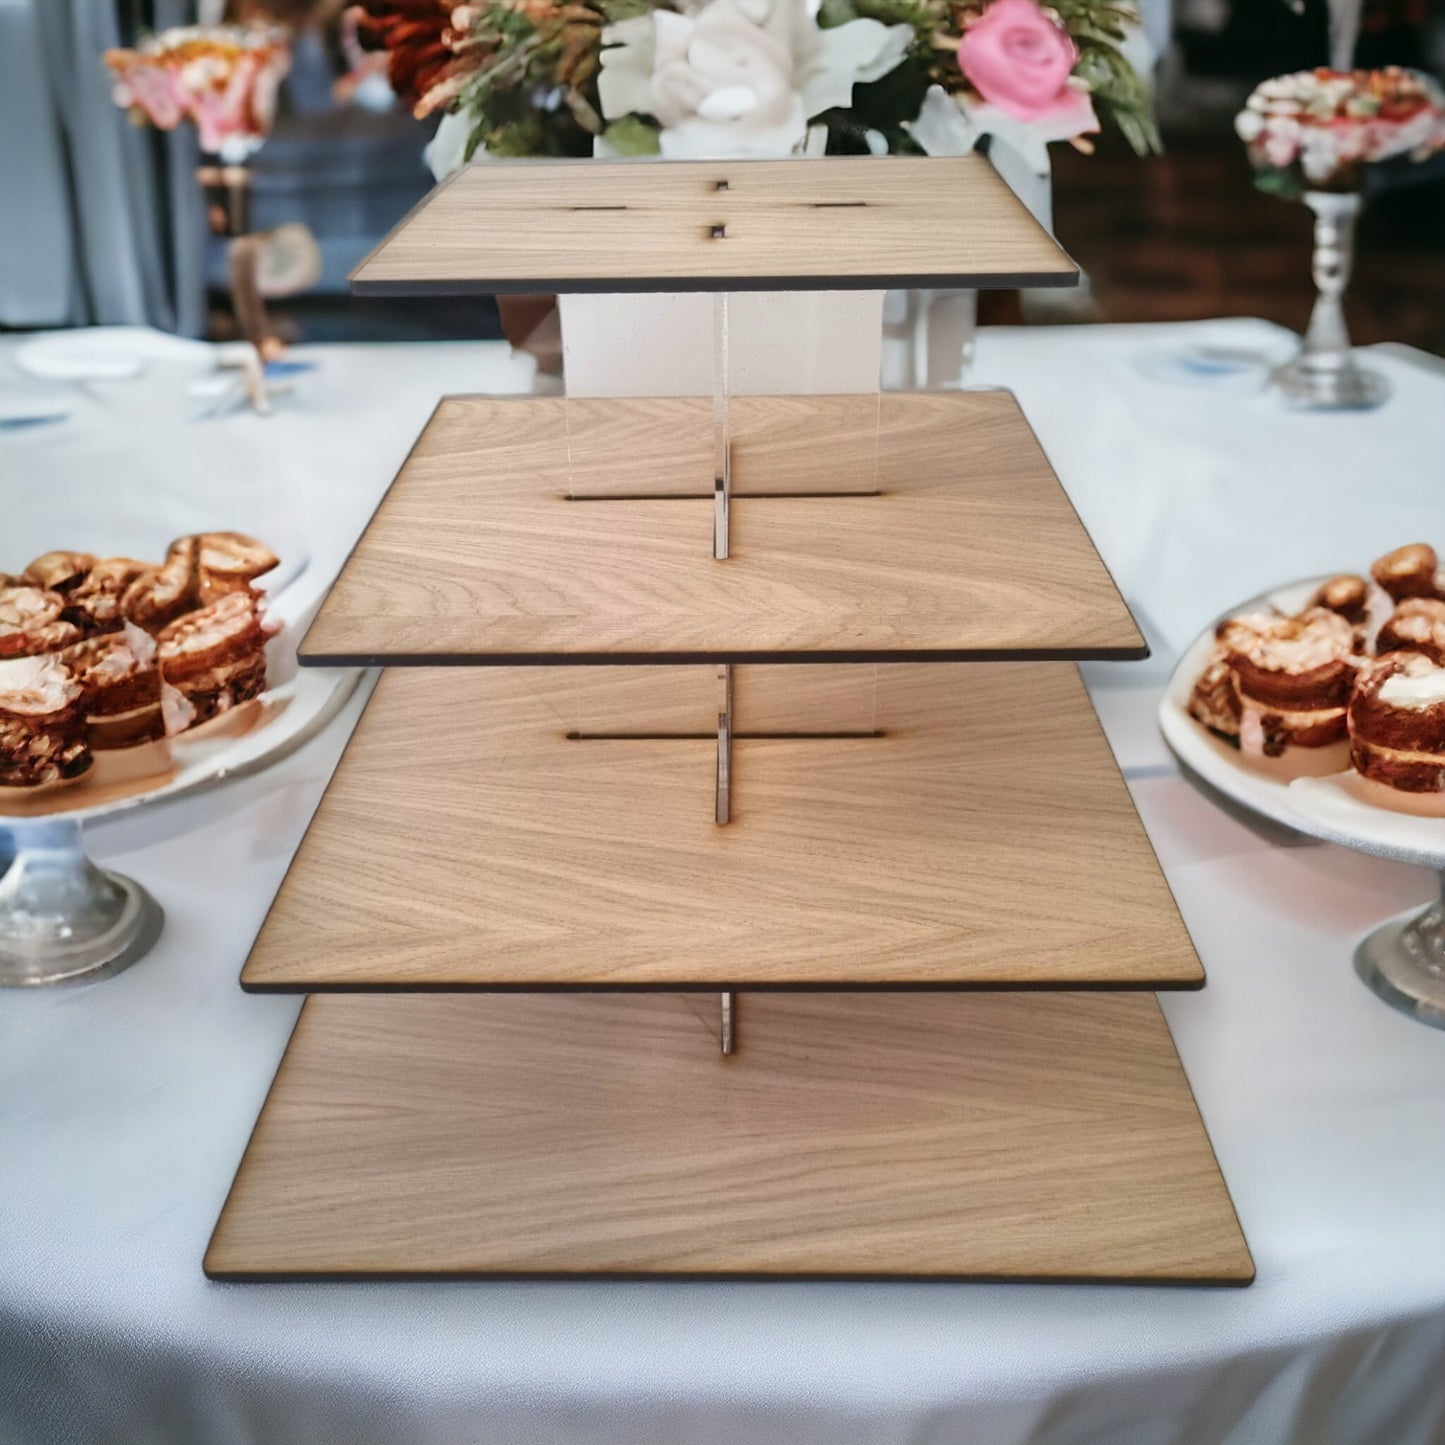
point(124, 1107)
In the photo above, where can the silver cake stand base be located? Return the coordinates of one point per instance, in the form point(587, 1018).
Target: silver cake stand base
point(62, 919)
point(1404, 962)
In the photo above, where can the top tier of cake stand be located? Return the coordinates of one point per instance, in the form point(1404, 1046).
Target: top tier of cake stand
point(717, 226)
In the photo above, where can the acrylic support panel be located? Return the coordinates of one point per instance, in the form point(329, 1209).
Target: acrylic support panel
point(985, 1136)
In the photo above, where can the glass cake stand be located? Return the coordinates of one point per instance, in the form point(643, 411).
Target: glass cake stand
point(1403, 961)
point(63, 918)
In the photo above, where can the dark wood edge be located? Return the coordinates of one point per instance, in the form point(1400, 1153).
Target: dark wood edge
point(311, 985)
point(221, 1275)
point(476, 286)
point(309, 658)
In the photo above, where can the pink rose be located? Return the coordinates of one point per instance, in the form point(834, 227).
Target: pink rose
point(1020, 60)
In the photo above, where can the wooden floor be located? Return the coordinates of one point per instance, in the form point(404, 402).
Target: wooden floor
point(469, 838)
point(494, 544)
point(961, 1136)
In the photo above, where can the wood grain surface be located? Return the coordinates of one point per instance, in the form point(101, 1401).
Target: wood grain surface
point(985, 839)
point(995, 1136)
point(483, 552)
point(848, 221)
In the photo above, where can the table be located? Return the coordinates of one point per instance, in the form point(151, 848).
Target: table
point(124, 1107)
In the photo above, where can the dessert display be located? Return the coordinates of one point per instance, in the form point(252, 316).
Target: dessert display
point(1362, 660)
point(103, 654)
point(1318, 127)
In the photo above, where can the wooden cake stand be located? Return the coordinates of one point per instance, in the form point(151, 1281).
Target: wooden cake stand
point(729, 877)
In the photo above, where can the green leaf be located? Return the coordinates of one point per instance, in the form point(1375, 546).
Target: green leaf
point(632, 136)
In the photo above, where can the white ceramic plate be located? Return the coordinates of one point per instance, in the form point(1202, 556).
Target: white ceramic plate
point(1313, 790)
point(296, 705)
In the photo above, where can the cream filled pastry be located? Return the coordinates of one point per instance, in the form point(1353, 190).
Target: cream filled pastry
point(121, 687)
point(31, 622)
point(1293, 677)
point(59, 571)
point(41, 725)
point(1411, 571)
point(211, 660)
point(230, 562)
point(1416, 625)
point(93, 604)
point(1348, 595)
point(1397, 723)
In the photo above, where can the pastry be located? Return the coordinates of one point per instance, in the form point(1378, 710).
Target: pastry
point(1346, 594)
point(161, 594)
point(40, 723)
point(116, 670)
point(94, 604)
point(1214, 701)
point(1397, 723)
point(230, 562)
point(1293, 677)
point(31, 622)
point(211, 660)
point(1412, 571)
point(59, 571)
point(1416, 625)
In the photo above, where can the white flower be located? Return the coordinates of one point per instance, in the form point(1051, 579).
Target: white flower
point(942, 128)
point(446, 150)
point(951, 126)
point(740, 77)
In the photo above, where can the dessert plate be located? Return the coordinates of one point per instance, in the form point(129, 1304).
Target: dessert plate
point(297, 703)
point(1313, 790)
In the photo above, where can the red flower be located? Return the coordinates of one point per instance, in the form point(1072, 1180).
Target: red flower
point(415, 33)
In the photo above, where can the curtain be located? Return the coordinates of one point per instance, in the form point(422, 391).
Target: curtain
point(100, 222)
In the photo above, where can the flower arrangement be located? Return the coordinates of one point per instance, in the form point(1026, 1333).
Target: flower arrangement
point(704, 78)
point(1316, 129)
point(224, 78)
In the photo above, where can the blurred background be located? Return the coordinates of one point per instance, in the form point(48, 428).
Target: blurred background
point(111, 226)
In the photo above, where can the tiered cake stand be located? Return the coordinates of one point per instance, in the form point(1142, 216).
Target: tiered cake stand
point(808, 928)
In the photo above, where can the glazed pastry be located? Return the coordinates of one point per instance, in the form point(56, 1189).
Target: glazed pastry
point(1417, 625)
point(40, 724)
point(31, 622)
point(59, 571)
point(1214, 701)
point(211, 660)
point(94, 605)
point(1412, 571)
point(161, 594)
point(116, 670)
point(1397, 723)
point(1346, 594)
point(230, 562)
point(1293, 677)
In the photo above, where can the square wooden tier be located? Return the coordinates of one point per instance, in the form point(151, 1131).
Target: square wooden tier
point(909, 826)
point(863, 528)
point(986, 1136)
point(845, 222)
